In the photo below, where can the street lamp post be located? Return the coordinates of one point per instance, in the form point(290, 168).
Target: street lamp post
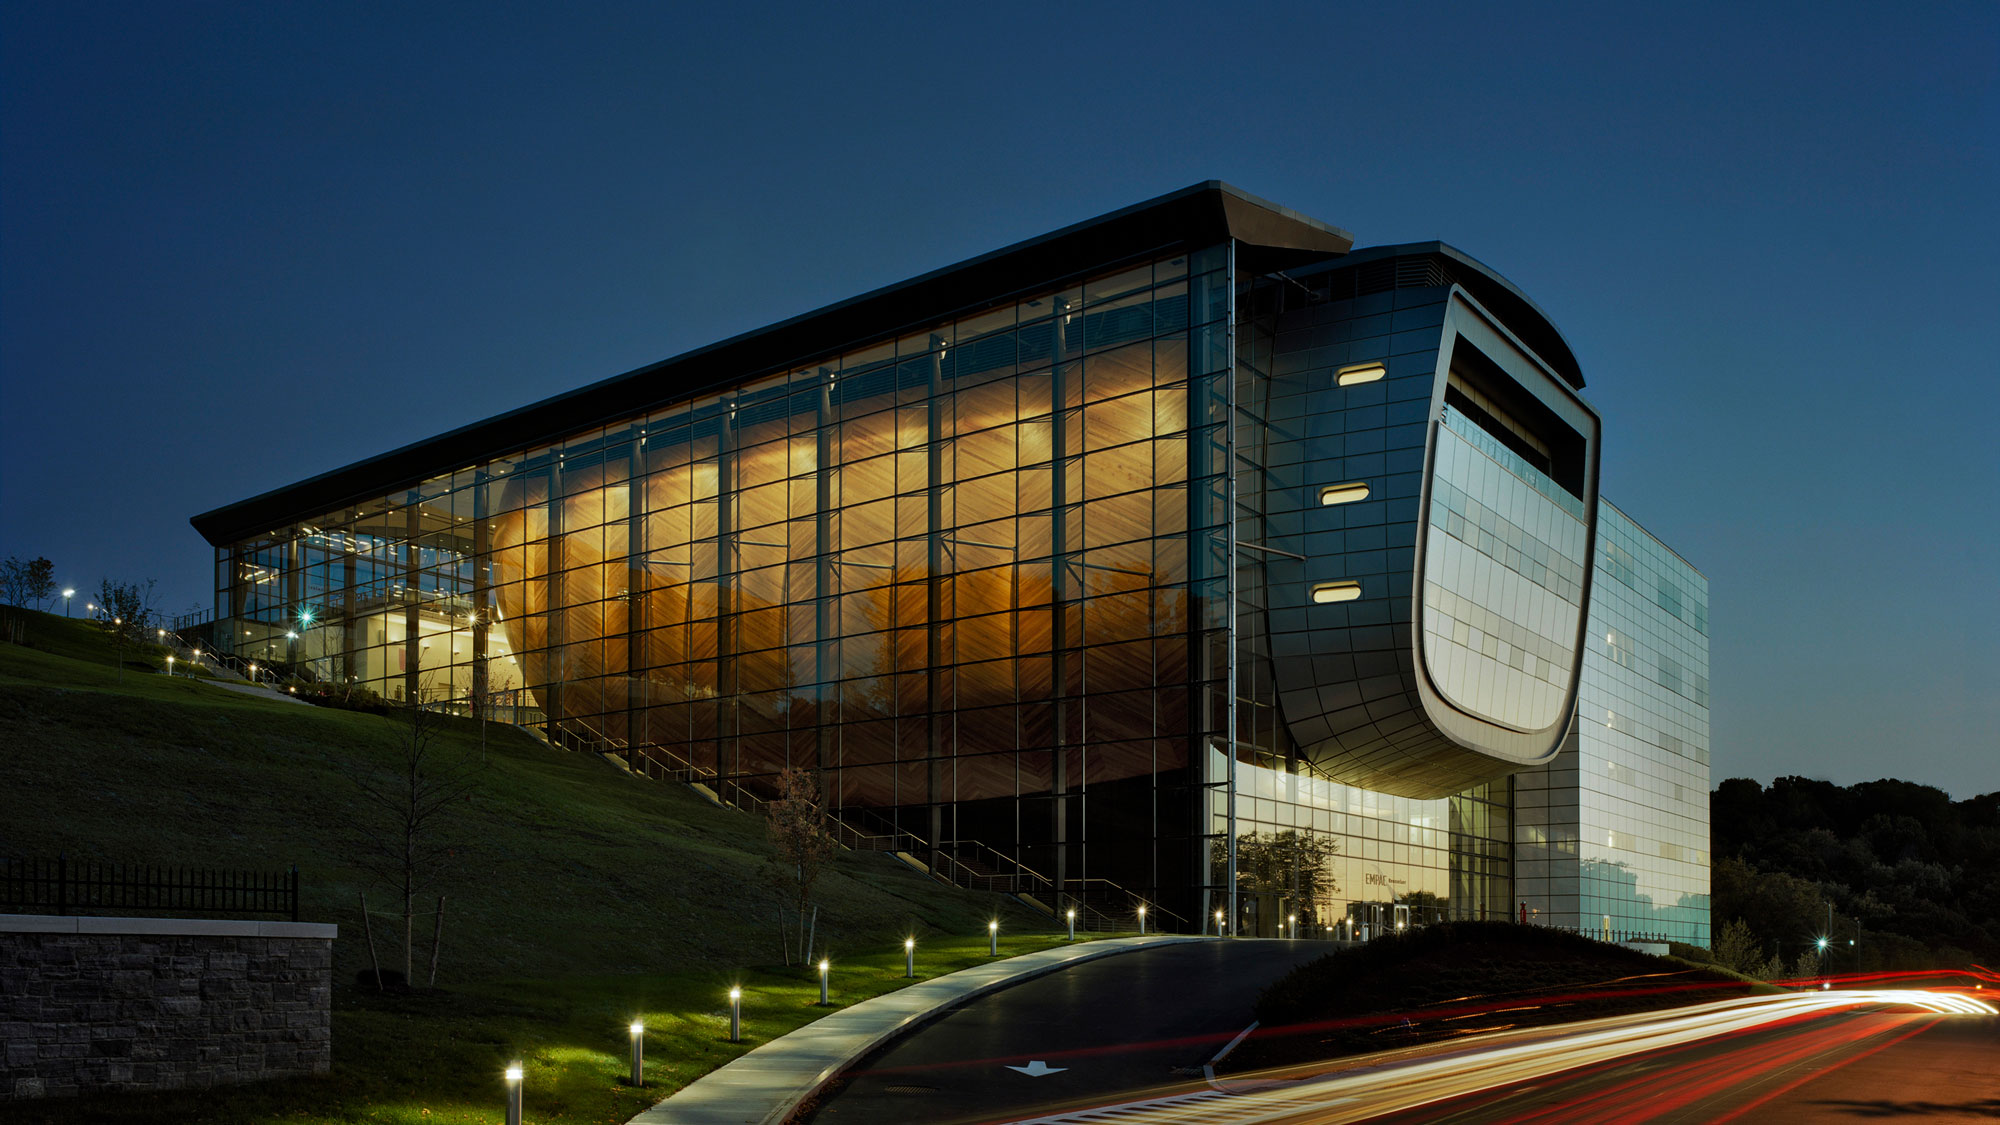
point(67, 595)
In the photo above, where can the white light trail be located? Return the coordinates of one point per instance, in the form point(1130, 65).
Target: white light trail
point(1366, 1089)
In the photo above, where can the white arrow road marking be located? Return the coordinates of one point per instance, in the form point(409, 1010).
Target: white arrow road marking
point(1037, 1068)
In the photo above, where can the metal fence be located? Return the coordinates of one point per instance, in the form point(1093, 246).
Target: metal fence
point(59, 886)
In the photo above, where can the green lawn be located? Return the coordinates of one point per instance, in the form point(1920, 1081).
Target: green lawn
point(580, 897)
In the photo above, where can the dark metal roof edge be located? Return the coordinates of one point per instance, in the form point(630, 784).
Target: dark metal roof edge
point(1499, 294)
point(1196, 215)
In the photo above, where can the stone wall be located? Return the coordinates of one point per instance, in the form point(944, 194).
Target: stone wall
point(104, 1004)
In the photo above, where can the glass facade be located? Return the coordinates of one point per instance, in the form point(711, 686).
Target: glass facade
point(955, 572)
point(1503, 580)
point(1037, 590)
point(1614, 834)
point(1347, 862)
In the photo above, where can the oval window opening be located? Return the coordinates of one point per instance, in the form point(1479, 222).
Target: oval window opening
point(1342, 493)
point(1336, 592)
point(1361, 373)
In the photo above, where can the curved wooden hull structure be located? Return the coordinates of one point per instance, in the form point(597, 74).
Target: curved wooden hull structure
point(727, 679)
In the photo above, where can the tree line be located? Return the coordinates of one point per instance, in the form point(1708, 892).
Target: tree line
point(126, 609)
point(1894, 875)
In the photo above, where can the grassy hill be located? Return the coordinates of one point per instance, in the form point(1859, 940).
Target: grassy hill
point(578, 896)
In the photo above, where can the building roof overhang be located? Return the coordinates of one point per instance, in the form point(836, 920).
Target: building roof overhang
point(1269, 237)
point(1516, 309)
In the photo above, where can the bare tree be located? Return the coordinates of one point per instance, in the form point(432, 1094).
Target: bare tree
point(797, 825)
point(127, 607)
point(128, 613)
point(416, 801)
point(27, 582)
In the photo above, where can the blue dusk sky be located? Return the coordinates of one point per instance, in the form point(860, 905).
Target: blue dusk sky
point(244, 244)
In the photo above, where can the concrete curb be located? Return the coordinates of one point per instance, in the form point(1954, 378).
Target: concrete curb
point(766, 1085)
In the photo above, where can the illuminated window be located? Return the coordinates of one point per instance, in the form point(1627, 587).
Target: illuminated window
point(1361, 373)
point(1336, 592)
point(1342, 493)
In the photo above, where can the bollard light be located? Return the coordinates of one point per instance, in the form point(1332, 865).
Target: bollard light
point(638, 1053)
point(993, 938)
point(1218, 923)
point(514, 1093)
point(1142, 919)
point(736, 1015)
point(170, 666)
point(1072, 923)
point(822, 982)
point(1292, 924)
point(910, 958)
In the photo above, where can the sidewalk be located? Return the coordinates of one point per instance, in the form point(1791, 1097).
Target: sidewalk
point(766, 1085)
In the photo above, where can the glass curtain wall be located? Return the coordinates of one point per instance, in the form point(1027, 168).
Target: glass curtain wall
point(1328, 858)
point(1614, 834)
point(1343, 862)
point(977, 578)
point(950, 572)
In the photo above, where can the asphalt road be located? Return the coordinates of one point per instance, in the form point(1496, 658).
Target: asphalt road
point(1104, 1029)
point(1840, 1067)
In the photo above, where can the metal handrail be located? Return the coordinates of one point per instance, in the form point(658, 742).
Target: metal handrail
point(972, 864)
